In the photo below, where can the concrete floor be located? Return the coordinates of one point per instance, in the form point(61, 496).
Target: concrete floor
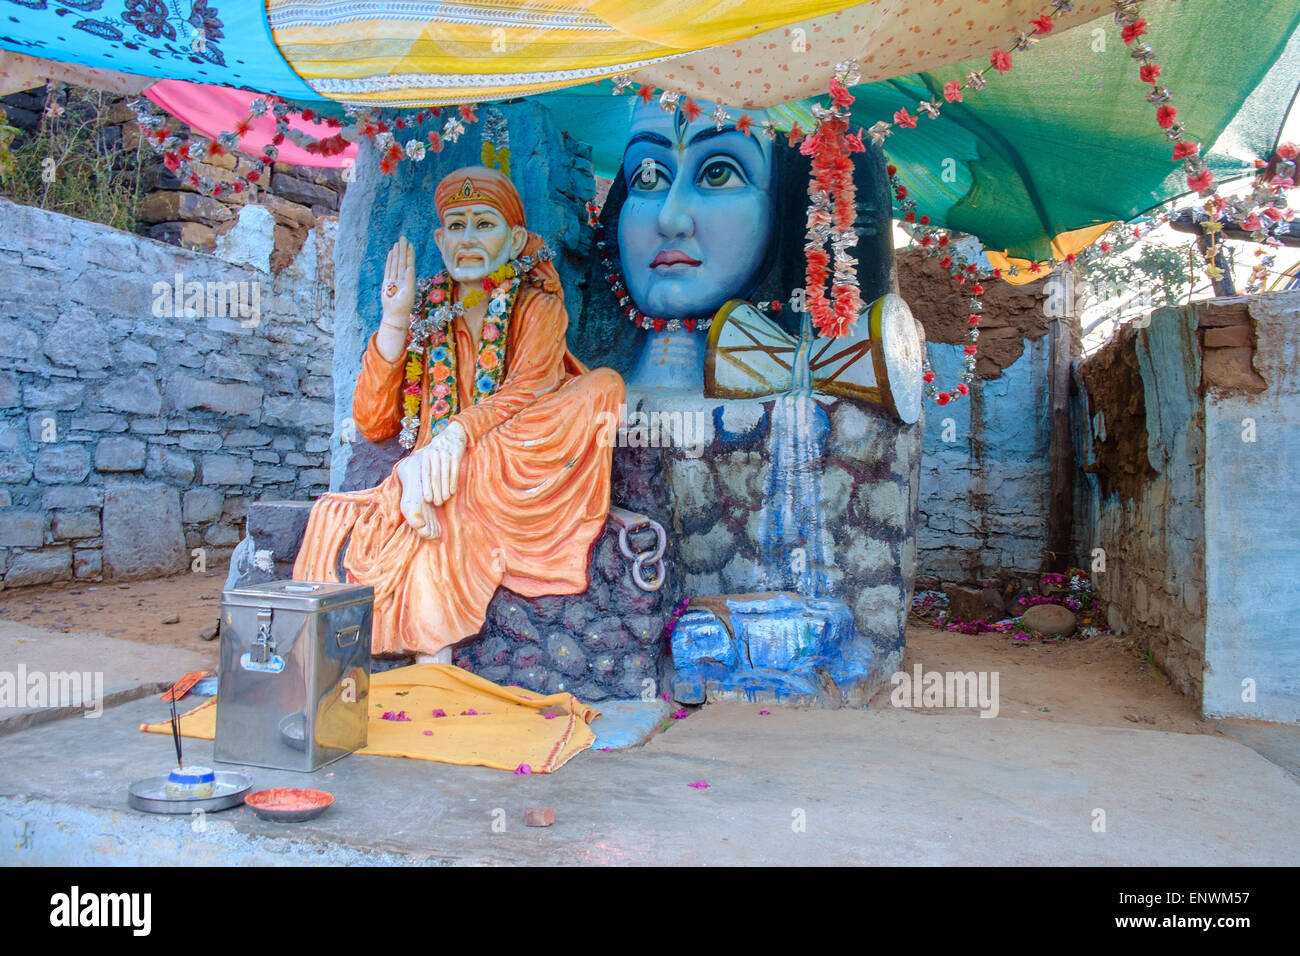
point(869, 787)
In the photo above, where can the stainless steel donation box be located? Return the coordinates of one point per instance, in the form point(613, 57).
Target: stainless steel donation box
point(295, 673)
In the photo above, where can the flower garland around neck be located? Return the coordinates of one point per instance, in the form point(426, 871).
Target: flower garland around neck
point(433, 343)
point(616, 285)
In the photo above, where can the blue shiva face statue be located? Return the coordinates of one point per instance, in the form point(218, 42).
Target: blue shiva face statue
point(699, 214)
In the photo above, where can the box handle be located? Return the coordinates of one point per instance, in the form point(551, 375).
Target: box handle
point(348, 636)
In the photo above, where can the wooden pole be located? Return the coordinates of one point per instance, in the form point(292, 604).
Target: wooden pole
point(1060, 511)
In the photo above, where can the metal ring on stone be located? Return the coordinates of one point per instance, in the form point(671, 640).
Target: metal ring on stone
point(642, 560)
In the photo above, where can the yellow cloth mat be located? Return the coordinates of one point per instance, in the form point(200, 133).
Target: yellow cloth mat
point(508, 729)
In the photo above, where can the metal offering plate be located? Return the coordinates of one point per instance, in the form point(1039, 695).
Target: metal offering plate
point(150, 794)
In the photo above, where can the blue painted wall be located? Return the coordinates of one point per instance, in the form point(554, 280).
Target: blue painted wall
point(1252, 530)
point(984, 471)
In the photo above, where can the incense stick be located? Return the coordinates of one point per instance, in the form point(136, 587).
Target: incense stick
point(176, 732)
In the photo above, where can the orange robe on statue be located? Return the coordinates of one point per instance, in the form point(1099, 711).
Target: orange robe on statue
point(532, 496)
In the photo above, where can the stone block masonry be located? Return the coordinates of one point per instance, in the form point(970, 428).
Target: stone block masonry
point(148, 393)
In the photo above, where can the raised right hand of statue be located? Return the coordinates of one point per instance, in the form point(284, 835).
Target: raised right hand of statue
point(397, 292)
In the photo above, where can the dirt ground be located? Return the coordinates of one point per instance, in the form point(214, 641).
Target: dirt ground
point(170, 611)
point(1103, 681)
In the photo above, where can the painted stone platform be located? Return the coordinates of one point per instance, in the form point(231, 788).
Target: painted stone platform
point(772, 648)
point(808, 494)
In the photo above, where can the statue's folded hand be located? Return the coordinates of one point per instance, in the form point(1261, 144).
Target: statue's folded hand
point(439, 468)
point(415, 510)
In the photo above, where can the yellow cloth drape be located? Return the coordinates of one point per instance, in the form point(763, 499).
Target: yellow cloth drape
point(508, 730)
point(1065, 244)
point(746, 53)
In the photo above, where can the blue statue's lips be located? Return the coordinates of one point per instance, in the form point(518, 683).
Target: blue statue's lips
point(673, 257)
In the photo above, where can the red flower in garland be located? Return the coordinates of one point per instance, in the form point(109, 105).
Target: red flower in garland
point(745, 123)
point(969, 349)
point(646, 93)
point(928, 377)
point(1183, 150)
point(1202, 180)
point(1043, 25)
point(467, 113)
point(1150, 72)
point(946, 261)
point(1000, 61)
point(1165, 116)
point(925, 220)
point(795, 135)
point(1289, 151)
point(1071, 258)
point(905, 119)
point(242, 127)
point(1035, 268)
point(974, 319)
point(854, 141)
point(386, 166)
point(308, 115)
point(252, 175)
point(1134, 30)
point(216, 149)
point(689, 324)
point(840, 95)
point(962, 388)
point(952, 91)
point(691, 109)
point(172, 161)
point(943, 398)
point(660, 325)
point(435, 141)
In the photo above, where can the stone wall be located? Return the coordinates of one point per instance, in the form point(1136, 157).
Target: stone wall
point(984, 472)
point(175, 212)
point(129, 437)
point(1142, 447)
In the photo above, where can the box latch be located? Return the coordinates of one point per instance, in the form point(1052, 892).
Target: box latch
point(261, 655)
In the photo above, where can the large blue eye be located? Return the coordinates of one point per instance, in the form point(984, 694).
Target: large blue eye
point(721, 172)
point(649, 176)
